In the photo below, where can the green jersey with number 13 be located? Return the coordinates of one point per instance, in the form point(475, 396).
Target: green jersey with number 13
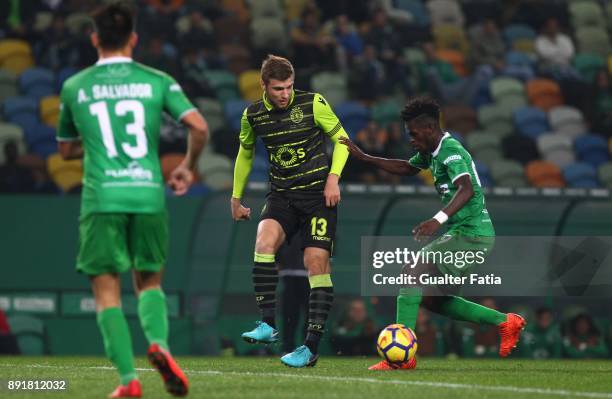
point(115, 108)
point(449, 162)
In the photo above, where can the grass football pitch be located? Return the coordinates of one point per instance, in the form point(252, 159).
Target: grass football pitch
point(239, 377)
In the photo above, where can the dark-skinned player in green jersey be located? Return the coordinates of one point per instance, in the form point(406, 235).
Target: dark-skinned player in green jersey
point(469, 225)
point(111, 116)
point(303, 197)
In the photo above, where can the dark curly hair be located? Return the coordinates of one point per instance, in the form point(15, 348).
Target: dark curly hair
point(421, 108)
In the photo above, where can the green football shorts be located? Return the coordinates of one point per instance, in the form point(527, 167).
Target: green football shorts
point(116, 242)
point(458, 254)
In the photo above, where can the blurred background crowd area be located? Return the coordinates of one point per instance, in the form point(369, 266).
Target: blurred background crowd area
point(524, 84)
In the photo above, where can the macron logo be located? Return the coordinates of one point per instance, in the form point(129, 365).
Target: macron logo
point(451, 158)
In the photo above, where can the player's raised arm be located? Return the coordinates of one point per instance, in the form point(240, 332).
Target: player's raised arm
point(395, 166)
point(242, 169)
point(327, 120)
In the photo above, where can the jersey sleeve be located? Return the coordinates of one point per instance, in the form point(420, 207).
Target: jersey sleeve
point(324, 116)
point(247, 135)
point(418, 161)
point(456, 164)
point(176, 102)
point(66, 130)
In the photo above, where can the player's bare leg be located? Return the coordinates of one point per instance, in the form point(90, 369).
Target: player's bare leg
point(320, 302)
point(270, 236)
point(153, 314)
point(115, 333)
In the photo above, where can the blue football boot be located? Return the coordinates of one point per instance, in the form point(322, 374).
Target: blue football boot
point(300, 357)
point(263, 334)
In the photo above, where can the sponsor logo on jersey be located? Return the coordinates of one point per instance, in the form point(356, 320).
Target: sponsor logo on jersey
point(321, 238)
point(296, 115)
point(133, 171)
point(451, 158)
point(261, 118)
point(287, 156)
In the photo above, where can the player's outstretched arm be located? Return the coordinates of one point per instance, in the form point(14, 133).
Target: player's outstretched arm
point(182, 177)
point(464, 192)
point(394, 166)
point(242, 169)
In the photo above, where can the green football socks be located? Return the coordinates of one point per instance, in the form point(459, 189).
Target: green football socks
point(117, 342)
point(153, 314)
point(458, 308)
point(408, 302)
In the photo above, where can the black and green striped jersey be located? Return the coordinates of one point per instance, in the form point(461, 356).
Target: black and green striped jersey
point(295, 141)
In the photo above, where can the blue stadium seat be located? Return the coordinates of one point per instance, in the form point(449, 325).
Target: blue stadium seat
point(233, 112)
point(353, 116)
point(16, 105)
point(581, 175)
point(518, 58)
point(37, 82)
point(592, 149)
point(63, 75)
point(530, 121)
point(417, 9)
point(260, 163)
point(484, 174)
point(516, 32)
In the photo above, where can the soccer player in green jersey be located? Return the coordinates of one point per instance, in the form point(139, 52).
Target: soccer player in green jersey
point(110, 116)
point(469, 225)
point(303, 198)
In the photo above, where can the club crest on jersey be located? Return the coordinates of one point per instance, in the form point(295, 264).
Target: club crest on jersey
point(296, 115)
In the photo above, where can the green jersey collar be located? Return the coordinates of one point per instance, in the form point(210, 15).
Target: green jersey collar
point(437, 150)
point(269, 105)
point(113, 60)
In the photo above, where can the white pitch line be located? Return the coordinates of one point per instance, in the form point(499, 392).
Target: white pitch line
point(444, 385)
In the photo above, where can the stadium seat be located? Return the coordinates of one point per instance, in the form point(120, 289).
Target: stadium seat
point(267, 8)
point(530, 121)
point(15, 55)
point(544, 93)
point(10, 132)
point(605, 174)
point(485, 148)
point(49, 110)
point(233, 113)
point(354, 116)
point(22, 111)
point(519, 66)
point(526, 46)
point(459, 118)
point(496, 119)
point(567, 121)
point(8, 84)
point(212, 111)
point(484, 174)
point(30, 333)
point(586, 13)
point(223, 83)
point(269, 33)
point(593, 40)
point(385, 112)
point(520, 148)
point(451, 37)
point(237, 56)
point(63, 75)
point(76, 21)
point(515, 32)
point(65, 174)
point(544, 174)
point(588, 65)
point(237, 8)
point(417, 9)
point(592, 149)
point(582, 175)
point(332, 85)
point(557, 149)
point(455, 58)
point(216, 171)
point(37, 82)
point(230, 29)
point(507, 90)
point(250, 86)
point(508, 173)
point(41, 140)
point(444, 12)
